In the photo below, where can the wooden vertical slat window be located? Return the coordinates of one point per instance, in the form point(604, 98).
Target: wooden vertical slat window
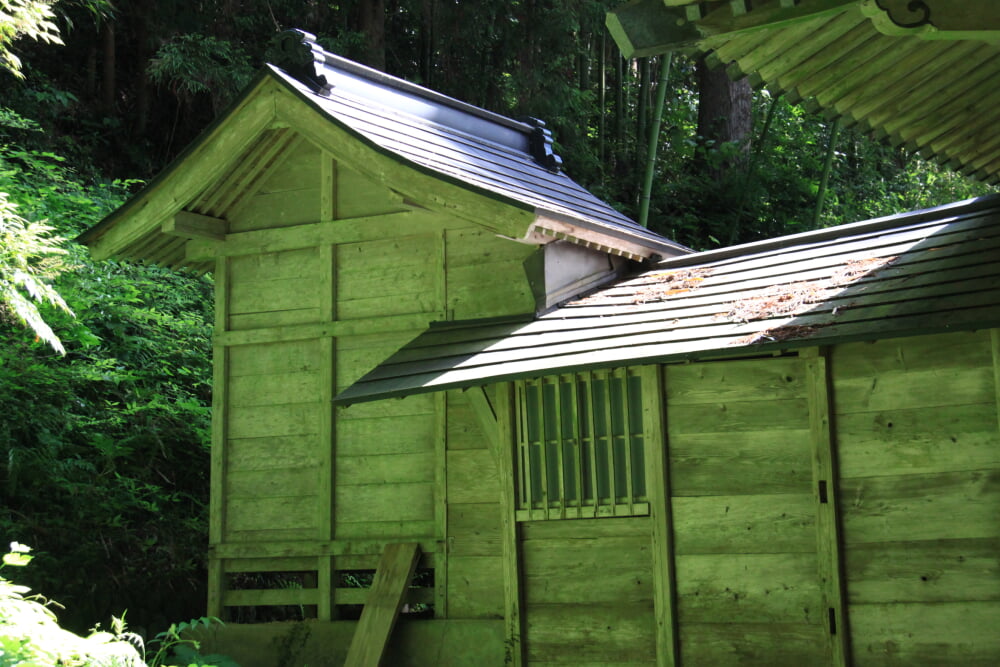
point(580, 449)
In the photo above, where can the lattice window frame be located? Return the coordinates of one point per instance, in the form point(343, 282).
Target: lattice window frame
point(561, 408)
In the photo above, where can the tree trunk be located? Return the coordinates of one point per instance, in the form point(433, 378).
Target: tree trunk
point(372, 24)
point(724, 113)
point(108, 86)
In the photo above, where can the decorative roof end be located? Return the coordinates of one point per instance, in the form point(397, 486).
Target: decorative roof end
point(540, 145)
point(297, 52)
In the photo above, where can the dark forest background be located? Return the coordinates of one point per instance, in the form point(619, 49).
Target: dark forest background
point(104, 451)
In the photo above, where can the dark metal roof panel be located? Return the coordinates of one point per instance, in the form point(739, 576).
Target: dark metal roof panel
point(471, 146)
point(923, 272)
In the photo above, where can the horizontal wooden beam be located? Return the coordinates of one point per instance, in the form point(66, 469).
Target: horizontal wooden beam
point(360, 595)
point(346, 230)
point(301, 549)
point(359, 327)
point(651, 27)
point(272, 596)
point(195, 226)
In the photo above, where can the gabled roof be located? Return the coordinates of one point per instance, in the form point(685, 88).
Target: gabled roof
point(403, 133)
point(923, 272)
point(921, 74)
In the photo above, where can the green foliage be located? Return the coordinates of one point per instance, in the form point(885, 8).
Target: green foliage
point(774, 192)
point(104, 453)
point(30, 635)
point(27, 263)
point(32, 19)
point(192, 64)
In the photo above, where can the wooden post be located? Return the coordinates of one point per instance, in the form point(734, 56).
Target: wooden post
point(510, 538)
point(385, 599)
point(441, 505)
point(825, 487)
point(326, 440)
point(654, 438)
point(995, 347)
point(217, 483)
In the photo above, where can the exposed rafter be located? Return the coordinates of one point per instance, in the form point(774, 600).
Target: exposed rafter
point(649, 27)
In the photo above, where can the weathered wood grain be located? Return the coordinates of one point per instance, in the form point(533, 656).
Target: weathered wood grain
point(274, 420)
point(946, 633)
point(464, 430)
point(287, 357)
point(924, 571)
point(375, 503)
point(921, 353)
point(377, 437)
point(781, 523)
point(734, 381)
point(385, 468)
point(474, 530)
point(360, 354)
point(829, 542)
point(300, 171)
point(587, 571)
point(271, 483)
point(306, 564)
point(273, 295)
point(595, 632)
point(900, 390)
point(738, 416)
point(779, 588)
point(278, 209)
point(940, 506)
point(660, 492)
point(301, 264)
point(421, 404)
point(391, 277)
point(510, 537)
point(277, 596)
point(273, 389)
point(475, 261)
point(277, 318)
point(382, 605)
point(475, 586)
point(752, 644)
point(290, 512)
point(751, 462)
point(359, 195)
point(918, 440)
point(269, 453)
point(586, 528)
point(472, 477)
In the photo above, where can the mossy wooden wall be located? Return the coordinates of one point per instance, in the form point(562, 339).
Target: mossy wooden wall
point(775, 560)
point(917, 435)
point(300, 486)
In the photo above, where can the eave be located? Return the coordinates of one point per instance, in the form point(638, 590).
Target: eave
point(917, 74)
point(232, 157)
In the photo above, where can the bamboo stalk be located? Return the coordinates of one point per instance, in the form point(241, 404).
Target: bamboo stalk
point(654, 135)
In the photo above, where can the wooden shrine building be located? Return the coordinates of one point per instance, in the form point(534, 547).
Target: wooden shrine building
point(779, 453)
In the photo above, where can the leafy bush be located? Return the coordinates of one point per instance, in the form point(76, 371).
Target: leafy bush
point(104, 452)
point(30, 635)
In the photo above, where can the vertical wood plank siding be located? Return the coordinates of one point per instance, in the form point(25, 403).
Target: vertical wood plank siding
point(920, 497)
point(292, 474)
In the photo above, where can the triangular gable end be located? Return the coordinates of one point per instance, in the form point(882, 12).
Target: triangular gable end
point(183, 217)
